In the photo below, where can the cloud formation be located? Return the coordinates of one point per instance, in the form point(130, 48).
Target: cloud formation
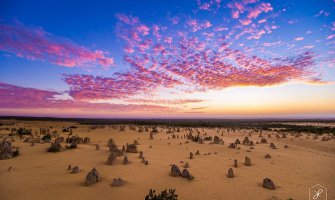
point(16, 97)
point(36, 44)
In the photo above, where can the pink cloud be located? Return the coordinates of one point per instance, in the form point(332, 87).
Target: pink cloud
point(330, 37)
point(299, 39)
point(196, 58)
point(166, 101)
point(16, 97)
point(143, 29)
point(255, 12)
point(235, 14)
point(36, 44)
point(261, 21)
point(245, 22)
point(130, 20)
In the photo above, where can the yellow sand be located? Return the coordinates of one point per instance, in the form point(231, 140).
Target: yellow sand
point(38, 174)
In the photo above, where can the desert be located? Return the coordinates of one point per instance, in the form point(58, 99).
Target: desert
point(214, 170)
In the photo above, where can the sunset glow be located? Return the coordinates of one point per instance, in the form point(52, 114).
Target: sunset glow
point(194, 59)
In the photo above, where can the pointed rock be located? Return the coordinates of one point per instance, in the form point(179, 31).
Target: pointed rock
point(230, 173)
point(125, 160)
point(268, 184)
point(175, 171)
point(92, 177)
point(187, 174)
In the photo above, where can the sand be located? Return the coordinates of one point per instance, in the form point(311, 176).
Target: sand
point(38, 174)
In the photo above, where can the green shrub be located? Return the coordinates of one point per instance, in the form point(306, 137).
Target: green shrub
point(164, 195)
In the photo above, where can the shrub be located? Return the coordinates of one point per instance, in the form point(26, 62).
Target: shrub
point(164, 195)
point(46, 137)
point(23, 131)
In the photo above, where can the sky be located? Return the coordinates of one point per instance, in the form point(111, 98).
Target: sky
point(168, 58)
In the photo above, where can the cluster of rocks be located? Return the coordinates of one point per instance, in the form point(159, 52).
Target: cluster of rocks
point(217, 140)
point(175, 172)
point(146, 162)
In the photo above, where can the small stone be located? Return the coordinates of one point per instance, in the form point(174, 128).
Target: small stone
point(69, 167)
point(235, 163)
point(75, 170)
point(125, 160)
point(232, 145)
point(264, 141)
point(87, 140)
point(187, 165)
point(141, 154)
point(268, 184)
point(118, 182)
point(197, 153)
point(273, 146)
point(230, 173)
point(267, 156)
point(131, 148)
point(191, 155)
point(247, 161)
point(146, 162)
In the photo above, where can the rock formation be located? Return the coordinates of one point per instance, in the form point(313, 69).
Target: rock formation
point(232, 145)
point(273, 146)
point(247, 161)
point(131, 148)
point(111, 158)
point(268, 184)
point(55, 147)
point(187, 174)
point(6, 151)
point(87, 140)
point(235, 163)
point(92, 177)
point(75, 170)
point(191, 155)
point(175, 171)
point(230, 173)
point(117, 182)
point(125, 160)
